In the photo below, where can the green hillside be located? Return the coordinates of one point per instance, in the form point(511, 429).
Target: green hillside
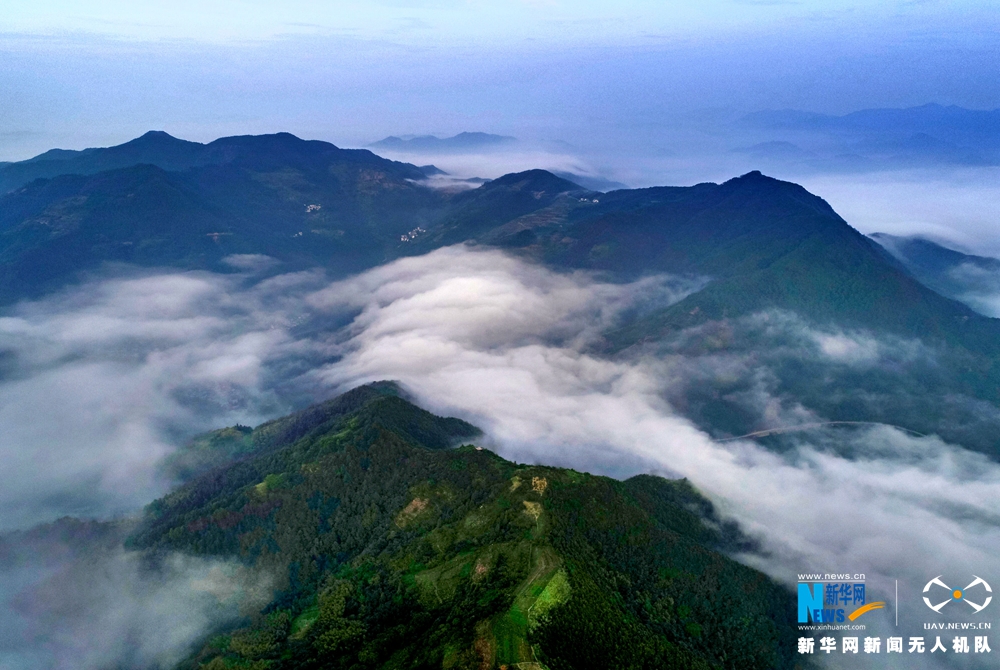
point(393, 550)
point(160, 201)
point(302, 202)
point(161, 150)
point(973, 280)
point(762, 247)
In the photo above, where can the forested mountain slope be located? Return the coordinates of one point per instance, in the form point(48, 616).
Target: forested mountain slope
point(305, 203)
point(974, 280)
point(764, 250)
point(392, 550)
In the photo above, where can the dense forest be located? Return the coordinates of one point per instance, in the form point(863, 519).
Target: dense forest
point(393, 548)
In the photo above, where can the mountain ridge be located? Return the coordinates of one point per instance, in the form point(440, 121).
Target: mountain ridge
point(389, 552)
point(754, 244)
point(972, 280)
point(876, 139)
point(172, 154)
point(460, 143)
point(737, 228)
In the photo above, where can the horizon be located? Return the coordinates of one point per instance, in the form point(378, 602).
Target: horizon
point(535, 70)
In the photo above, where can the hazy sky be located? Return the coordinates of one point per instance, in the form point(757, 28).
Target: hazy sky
point(639, 92)
point(628, 75)
point(442, 21)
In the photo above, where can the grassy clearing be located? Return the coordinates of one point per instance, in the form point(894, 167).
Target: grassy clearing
point(438, 584)
point(512, 628)
point(555, 593)
point(302, 623)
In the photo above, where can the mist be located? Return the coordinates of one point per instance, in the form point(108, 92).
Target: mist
point(103, 380)
point(72, 599)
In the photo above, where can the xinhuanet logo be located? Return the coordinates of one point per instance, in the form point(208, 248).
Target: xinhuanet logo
point(833, 602)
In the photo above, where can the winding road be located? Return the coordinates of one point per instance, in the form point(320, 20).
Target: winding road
point(810, 426)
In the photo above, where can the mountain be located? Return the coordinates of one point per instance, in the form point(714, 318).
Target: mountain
point(765, 243)
point(390, 549)
point(155, 148)
point(461, 143)
point(766, 251)
point(503, 211)
point(759, 248)
point(173, 154)
point(973, 280)
point(881, 138)
point(302, 202)
point(599, 184)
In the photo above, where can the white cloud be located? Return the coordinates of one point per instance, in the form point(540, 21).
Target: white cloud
point(104, 379)
point(114, 608)
point(108, 373)
point(906, 508)
point(250, 262)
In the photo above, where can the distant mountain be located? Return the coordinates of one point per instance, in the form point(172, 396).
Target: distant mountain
point(432, 170)
point(769, 250)
point(189, 205)
point(391, 549)
point(154, 148)
point(500, 209)
point(461, 143)
point(767, 244)
point(949, 122)
point(592, 183)
point(974, 280)
point(893, 138)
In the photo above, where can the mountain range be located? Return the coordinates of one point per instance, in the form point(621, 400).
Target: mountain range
point(757, 244)
point(160, 201)
point(462, 143)
point(974, 280)
point(392, 540)
point(888, 138)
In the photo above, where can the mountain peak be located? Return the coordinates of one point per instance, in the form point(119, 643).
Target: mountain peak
point(156, 134)
point(157, 139)
point(755, 177)
point(339, 513)
point(756, 184)
point(533, 180)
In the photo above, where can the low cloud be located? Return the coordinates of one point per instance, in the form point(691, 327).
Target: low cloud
point(558, 158)
point(250, 262)
point(107, 607)
point(101, 381)
point(901, 508)
point(956, 205)
point(982, 288)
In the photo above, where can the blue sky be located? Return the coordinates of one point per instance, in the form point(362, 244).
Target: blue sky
point(635, 75)
point(460, 20)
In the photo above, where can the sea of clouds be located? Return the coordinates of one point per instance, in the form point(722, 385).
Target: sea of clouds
point(100, 382)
